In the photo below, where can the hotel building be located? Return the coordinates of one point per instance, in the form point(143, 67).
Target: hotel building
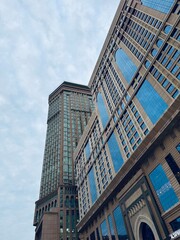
point(127, 160)
point(56, 211)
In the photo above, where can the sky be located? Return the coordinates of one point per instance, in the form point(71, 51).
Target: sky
point(42, 44)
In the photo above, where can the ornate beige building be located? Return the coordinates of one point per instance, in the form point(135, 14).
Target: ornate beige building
point(127, 161)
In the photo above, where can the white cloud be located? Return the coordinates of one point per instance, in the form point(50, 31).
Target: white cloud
point(42, 44)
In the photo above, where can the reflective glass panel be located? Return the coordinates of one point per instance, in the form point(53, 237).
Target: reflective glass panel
point(159, 42)
point(147, 64)
point(167, 29)
point(154, 52)
point(92, 185)
point(163, 188)
point(151, 101)
point(175, 224)
point(102, 110)
point(87, 150)
point(159, 5)
point(121, 230)
point(111, 227)
point(104, 230)
point(178, 147)
point(115, 152)
point(125, 64)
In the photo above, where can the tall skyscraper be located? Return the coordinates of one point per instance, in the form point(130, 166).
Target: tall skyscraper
point(127, 161)
point(56, 211)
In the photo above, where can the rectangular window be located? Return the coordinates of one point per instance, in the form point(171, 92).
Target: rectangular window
point(102, 110)
point(97, 234)
point(173, 166)
point(178, 147)
point(92, 236)
point(92, 185)
point(153, 104)
point(104, 230)
point(120, 226)
point(115, 152)
point(87, 150)
point(111, 227)
point(163, 188)
point(175, 224)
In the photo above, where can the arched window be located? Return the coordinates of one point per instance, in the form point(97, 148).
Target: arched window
point(146, 232)
point(147, 64)
point(161, 5)
point(167, 29)
point(125, 64)
point(159, 43)
point(154, 52)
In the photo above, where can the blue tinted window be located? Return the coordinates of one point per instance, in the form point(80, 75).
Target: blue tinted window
point(147, 64)
point(151, 101)
point(121, 230)
point(165, 83)
point(92, 185)
point(125, 64)
point(178, 147)
point(111, 227)
point(115, 152)
point(159, 42)
point(176, 93)
point(163, 188)
point(167, 29)
point(175, 69)
point(104, 230)
point(154, 52)
point(102, 110)
point(175, 224)
point(87, 150)
point(159, 5)
point(170, 89)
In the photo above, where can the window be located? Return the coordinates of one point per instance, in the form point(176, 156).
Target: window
point(154, 52)
point(102, 110)
point(104, 230)
point(175, 224)
point(120, 226)
point(92, 185)
point(111, 227)
point(87, 150)
point(163, 188)
point(167, 29)
point(115, 152)
point(153, 104)
point(162, 6)
point(92, 236)
point(173, 166)
point(125, 64)
point(147, 64)
point(97, 233)
point(178, 147)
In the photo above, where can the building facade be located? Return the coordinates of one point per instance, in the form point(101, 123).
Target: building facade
point(127, 161)
point(56, 211)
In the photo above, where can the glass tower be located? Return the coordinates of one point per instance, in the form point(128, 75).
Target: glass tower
point(56, 211)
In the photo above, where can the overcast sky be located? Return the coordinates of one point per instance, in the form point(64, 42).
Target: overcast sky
point(42, 44)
